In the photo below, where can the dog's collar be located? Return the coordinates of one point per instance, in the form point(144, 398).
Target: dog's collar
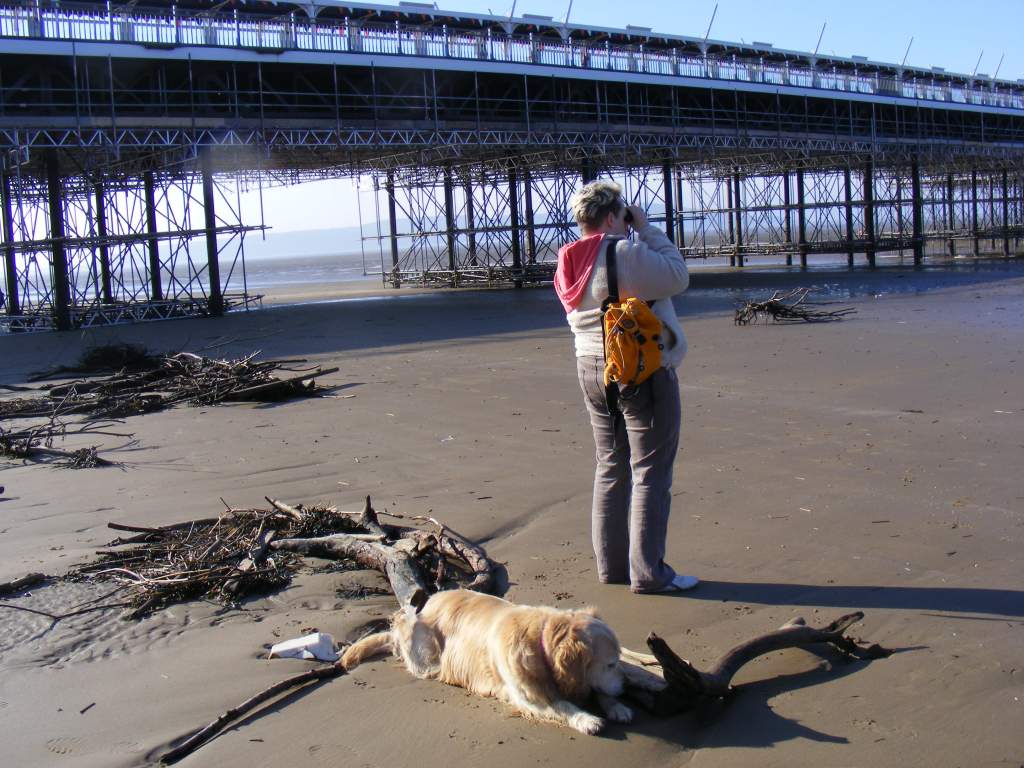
point(544, 650)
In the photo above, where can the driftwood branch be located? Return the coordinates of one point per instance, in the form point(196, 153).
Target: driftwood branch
point(280, 506)
point(130, 381)
point(688, 686)
point(256, 554)
point(203, 735)
point(20, 585)
point(280, 389)
point(789, 307)
point(368, 520)
point(455, 546)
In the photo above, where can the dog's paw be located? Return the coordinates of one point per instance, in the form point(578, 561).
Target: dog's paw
point(587, 723)
point(619, 713)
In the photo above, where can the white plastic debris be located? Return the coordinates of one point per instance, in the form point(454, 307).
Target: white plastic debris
point(318, 645)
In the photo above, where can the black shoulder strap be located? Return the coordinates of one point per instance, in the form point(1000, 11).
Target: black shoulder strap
point(613, 277)
point(611, 391)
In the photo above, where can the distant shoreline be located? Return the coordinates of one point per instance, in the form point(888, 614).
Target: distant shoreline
point(835, 279)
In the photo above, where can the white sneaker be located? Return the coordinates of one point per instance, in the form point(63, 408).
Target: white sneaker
point(679, 584)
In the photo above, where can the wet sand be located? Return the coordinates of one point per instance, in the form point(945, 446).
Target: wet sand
point(872, 464)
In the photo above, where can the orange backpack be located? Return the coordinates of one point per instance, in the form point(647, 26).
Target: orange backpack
point(632, 337)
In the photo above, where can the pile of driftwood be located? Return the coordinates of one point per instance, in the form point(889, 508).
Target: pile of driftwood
point(397, 551)
point(122, 380)
point(246, 551)
point(789, 307)
point(243, 551)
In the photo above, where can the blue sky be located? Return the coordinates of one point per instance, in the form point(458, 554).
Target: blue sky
point(946, 34)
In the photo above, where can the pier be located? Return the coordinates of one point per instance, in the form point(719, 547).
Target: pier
point(129, 132)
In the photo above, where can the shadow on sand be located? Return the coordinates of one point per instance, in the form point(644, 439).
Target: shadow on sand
point(996, 602)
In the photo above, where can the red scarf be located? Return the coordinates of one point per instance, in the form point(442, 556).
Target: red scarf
point(575, 266)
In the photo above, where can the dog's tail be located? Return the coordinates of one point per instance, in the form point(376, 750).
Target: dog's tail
point(369, 646)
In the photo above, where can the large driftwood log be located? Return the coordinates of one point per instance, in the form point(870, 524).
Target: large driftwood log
point(689, 686)
point(402, 573)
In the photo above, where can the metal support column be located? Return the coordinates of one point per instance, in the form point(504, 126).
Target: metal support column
point(10, 259)
point(587, 171)
point(1006, 215)
point(216, 297)
point(848, 186)
point(787, 221)
point(869, 212)
point(670, 211)
point(732, 230)
point(59, 263)
point(951, 214)
point(449, 222)
point(531, 235)
point(680, 207)
point(389, 186)
point(101, 230)
point(918, 212)
point(974, 213)
point(471, 222)
point(513, 212)
point(801, 218)
point(992, 208)
point(156, 291)
point(899, 213)
point(739, 217)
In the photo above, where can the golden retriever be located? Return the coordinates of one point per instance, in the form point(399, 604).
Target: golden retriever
point(543, 661)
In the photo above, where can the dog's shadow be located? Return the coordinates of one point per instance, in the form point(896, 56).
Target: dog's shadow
point(746, 718)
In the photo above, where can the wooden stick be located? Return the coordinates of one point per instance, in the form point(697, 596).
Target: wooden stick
point(203, 735)
point(37, 450)
point(368, 520)
point(145, 533)
point(280, 506)
point(257, 553)
point(20, 585)
point(284, 385)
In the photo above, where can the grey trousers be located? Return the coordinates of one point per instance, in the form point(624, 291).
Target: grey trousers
point(633, 480)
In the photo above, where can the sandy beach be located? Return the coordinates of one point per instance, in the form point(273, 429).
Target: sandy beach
point(871, 464)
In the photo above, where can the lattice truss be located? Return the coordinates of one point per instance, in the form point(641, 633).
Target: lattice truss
point(496, 221)
point(135, 248)
point(489, 223)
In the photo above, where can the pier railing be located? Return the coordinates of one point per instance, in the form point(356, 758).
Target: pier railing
point(237, 30)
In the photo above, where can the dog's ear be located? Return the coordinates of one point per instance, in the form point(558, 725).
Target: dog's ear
point(570, 660)
point(590, 611)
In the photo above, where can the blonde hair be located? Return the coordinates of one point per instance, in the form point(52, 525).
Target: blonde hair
point(594, 201)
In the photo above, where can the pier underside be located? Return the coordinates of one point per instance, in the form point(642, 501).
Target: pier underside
point(121, 179)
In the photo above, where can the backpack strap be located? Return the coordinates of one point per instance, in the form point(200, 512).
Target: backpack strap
point(613, 275)
point(611, 391)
